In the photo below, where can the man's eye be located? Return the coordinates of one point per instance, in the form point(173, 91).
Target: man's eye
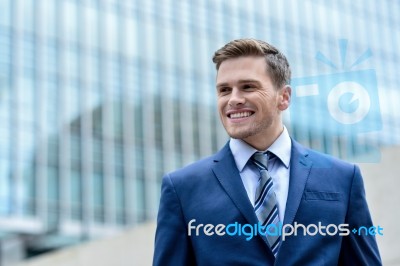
point(224, 90)
point(248, 87)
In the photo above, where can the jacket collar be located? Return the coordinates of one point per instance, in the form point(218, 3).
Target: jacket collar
point(226, 172)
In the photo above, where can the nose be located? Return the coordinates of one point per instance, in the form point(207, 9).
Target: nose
point(236, 98)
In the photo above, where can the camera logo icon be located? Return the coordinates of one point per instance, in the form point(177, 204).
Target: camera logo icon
point(352, 110)
point(344, 104)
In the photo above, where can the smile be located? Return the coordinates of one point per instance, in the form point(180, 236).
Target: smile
point(240, 115)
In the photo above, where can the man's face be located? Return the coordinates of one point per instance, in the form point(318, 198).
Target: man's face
point(249, 105)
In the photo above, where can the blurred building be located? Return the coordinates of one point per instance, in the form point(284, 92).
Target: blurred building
point(100, 98)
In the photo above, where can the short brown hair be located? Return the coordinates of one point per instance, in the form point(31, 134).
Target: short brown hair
point(277, 64)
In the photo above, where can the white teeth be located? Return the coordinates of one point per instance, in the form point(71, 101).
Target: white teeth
point(241, 115)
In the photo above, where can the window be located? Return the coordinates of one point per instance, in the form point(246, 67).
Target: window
point(5, 7)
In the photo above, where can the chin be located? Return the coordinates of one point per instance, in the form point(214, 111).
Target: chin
point(239, 134)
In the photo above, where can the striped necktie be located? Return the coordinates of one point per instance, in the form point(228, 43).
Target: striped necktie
point(265, 204)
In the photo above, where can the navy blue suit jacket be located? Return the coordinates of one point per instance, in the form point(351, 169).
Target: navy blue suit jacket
point(321, 189)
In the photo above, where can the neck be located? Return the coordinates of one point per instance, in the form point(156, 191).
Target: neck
point(262, 142)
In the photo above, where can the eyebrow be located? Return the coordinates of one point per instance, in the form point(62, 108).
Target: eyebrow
point(240, 82)
point(250, 81)
point(223, 84)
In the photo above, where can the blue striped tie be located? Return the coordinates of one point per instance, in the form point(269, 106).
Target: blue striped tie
point(265, 204)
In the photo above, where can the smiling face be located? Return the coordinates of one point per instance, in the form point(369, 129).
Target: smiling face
point(249, 104)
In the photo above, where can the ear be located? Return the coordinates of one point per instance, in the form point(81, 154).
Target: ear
point(285, 95)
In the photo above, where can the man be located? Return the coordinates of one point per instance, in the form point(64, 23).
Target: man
point(241, 205)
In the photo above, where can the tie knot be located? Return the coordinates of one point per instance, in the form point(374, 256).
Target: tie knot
point(261, 159)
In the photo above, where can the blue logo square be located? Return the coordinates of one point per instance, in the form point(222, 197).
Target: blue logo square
point(337, 104)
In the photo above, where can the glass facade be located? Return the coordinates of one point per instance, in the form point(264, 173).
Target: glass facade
point(100, 98)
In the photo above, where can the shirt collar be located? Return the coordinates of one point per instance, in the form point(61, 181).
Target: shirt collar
point(242, 151)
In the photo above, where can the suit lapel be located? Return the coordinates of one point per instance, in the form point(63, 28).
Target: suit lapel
point(226, 171)
point(300, 167)
point(227, 174)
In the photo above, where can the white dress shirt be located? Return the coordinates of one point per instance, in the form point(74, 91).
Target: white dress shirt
point(278, 167)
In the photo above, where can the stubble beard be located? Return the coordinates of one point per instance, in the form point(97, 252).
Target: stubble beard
point(249, 131)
